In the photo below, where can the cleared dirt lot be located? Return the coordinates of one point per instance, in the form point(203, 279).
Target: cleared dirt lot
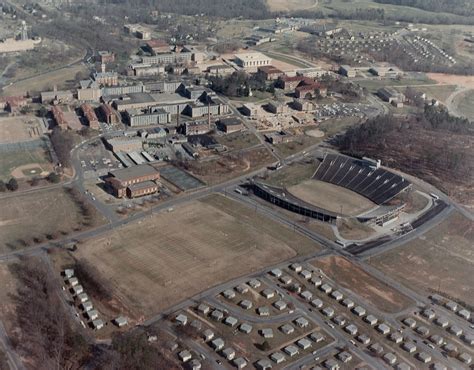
point(361, 283)
point(154, 264)
point(34, 215)
point(441, 259)
point(331, 197)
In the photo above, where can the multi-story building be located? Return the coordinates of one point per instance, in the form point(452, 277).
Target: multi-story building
point(157, 46)
point(89, 90)
point(270, 73)
point(196, 128)
point(108, 114)
point(169, 58)
point(124, 144)
point(148, 117)
point(59, 118)
point(133, 181)
point(277, 107)
point(230, 125)
point(105, 56)
point(90, 116)
point(252, 61)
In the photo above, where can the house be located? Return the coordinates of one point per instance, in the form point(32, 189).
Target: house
point(465, 314)
point(347, 303)
point(228, 353)
point(291, 350)
point(301, 322)
point(442, 321)
point(328, 311)
point(422, 330)
point(230, 321)
point(344, 356)
point(429, 314)
point(423, 357)
point(306, 274)
point(455, 330)
point(371, 320)
point(316, 337)
point(411, 323)
point(268, 293)
point(383, 329)
point(246, 304)
point(229, 294)
point(185, 355)
point(303, 343)
point(277, 357)
point(239, 362)
point(242, 288)
point(276, 272)
point(468, 339)
point(68, 273)
point(81, 298)
point(73, 281)
point(436, 339)
point(121, 321)
point(351, 329)
point(339, 320)
point(363, 338)
point(77, 289)
point(217, 344)
point(245, 328)
point(280, 305)
point(263, 311)
point(316, 281)
point(266, 333)
point(409, 347)
point(465, 358)
point(254, 283)
point(376, 348)
point(286, 279)
point(326, 288)
point(317, 303)
point(203, 308)
point(359, 311)
point(306, 295)
point(207, 334)
point(92, 314)
point(97, 324)
point(396, 337)
point(337, 295)
point(331, 364)
point(217, 315)
point(287, 329)
point(181, 319)
point(390, 358)
point(87, 306)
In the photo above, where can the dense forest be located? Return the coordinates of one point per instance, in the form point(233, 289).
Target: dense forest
point(433, 145)
point(252, 9)
point(459, 7)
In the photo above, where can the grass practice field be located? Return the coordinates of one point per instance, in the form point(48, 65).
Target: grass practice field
point(11, 160)
point(442, 259)
point(153, 264)
point(353, 278)
point(331, 197)
point(14, 129)
point(36, 214)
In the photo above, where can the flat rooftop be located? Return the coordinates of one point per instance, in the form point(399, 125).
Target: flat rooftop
point(133, 172)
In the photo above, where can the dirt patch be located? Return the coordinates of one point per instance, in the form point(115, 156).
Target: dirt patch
point(315, 133)
point(353, 278)
point(153, 265)
point(33, 169)
point(352, 229)
point(442, 259)
point(443, 78)
point(331, 197)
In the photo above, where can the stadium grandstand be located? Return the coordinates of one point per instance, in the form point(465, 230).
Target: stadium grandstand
point(363, 176)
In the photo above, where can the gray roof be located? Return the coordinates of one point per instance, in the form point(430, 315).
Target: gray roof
point(126, 174)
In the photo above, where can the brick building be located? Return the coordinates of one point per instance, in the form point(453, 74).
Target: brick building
point(133, 181)
point(90, 116)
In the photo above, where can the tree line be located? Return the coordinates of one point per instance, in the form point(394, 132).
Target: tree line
point(459, 7)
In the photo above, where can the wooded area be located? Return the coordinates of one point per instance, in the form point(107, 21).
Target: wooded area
point(459, 7)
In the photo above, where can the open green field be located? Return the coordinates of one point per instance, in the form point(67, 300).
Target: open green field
point(466, 105)
point(440, 260)
point(238, 140)
point(11, 160)
point(153, 265)
point(438, 92)
point(34, 215)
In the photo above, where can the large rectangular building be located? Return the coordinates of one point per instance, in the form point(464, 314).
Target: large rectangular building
point(133, 181)
point(149, 117)
point(252, 61)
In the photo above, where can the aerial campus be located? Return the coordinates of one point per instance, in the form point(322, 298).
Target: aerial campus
point(237, 184)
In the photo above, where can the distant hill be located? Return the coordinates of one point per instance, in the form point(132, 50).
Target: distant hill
point(459, 7)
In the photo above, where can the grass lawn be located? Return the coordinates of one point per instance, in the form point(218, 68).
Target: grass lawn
point(11, 160)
